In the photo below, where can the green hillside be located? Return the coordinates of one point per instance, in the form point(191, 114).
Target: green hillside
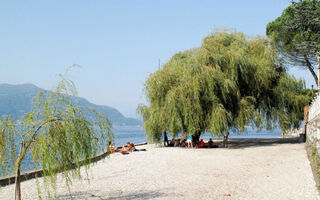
point(16, 100)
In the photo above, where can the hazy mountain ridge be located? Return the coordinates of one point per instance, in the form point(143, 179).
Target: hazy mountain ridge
point(16, 100)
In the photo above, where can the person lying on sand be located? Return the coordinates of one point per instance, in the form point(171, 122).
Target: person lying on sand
point(126, 149)
point(129, 148)
point(133, 148)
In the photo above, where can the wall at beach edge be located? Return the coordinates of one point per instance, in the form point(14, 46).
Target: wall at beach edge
point(39, 173)
point(312, 129)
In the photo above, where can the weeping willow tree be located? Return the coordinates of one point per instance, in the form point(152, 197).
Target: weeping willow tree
point(232, 81)
point(58, 133)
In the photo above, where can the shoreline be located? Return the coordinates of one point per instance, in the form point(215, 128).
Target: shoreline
point(30, 174)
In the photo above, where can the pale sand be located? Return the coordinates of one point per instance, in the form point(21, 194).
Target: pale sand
point(278, 171)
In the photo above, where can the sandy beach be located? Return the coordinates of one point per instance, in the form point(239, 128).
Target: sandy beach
point(275, 171)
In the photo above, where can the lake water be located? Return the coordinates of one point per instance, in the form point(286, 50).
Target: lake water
point(136, 135)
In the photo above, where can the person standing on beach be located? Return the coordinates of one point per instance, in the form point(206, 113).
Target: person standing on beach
point(225, 141)
point(189, 141)
point(165, 139)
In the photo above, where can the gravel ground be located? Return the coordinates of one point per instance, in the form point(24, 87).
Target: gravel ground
point(277, 171)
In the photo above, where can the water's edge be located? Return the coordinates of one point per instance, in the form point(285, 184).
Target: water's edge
point(39, 173)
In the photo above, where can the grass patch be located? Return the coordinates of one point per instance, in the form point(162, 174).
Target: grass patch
point(314, 159)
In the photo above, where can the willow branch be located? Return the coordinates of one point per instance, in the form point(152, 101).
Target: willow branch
point(38, 129)
point(21, 135)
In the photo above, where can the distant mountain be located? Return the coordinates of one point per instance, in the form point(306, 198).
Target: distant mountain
point(16, 100)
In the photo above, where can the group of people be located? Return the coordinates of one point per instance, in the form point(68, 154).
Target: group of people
point(125, 149)
point(187, 140)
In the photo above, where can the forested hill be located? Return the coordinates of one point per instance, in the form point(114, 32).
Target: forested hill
point(16, 100)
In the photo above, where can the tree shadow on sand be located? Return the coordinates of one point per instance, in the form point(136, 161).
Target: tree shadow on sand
point(142, 195)
point(255, 142)
point(97, 195)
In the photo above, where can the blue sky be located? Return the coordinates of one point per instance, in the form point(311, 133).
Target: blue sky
point(117, 42)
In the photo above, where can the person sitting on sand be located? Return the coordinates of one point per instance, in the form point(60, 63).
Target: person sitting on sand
point(184, 136)
point(201, 143)
point(183, 140)
point(176, 143)
point(110, 147)
point(210, 143)
point(171, 143)
point(183, 143)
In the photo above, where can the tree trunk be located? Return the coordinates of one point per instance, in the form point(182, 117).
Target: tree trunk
point(311, 70)
point(17, 195)
point(318, 72)
point(197, 136)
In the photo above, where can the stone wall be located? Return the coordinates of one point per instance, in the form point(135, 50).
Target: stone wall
point(312, 128)
point(293, 132)
point(313, 133)
point(314, 109)
point(313, 124)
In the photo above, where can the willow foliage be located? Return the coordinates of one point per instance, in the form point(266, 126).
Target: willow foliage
point(230, 82)
point(58, 133)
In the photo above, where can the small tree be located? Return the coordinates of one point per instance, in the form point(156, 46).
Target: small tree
point(58, 133)
point(296, 34)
